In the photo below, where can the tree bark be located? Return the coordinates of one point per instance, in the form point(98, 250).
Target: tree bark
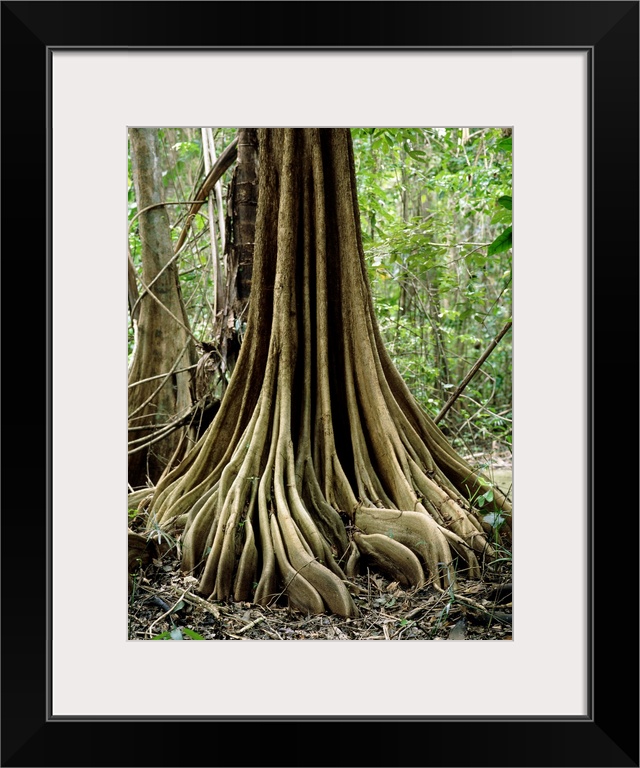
point(159, 385)
point(242, 204)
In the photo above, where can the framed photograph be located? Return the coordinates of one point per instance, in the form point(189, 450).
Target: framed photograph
point(563, 78)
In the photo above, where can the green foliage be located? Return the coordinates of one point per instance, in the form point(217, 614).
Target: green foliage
point(436, 226)
point(487, 496)
point(178, 633)
point(501, 243)
point(504, 240)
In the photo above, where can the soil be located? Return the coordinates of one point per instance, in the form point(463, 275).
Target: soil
point(164, 603)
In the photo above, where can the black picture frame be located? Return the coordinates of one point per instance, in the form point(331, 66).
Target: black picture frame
point(608, 736)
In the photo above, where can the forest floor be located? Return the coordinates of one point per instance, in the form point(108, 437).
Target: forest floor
point(163, 604)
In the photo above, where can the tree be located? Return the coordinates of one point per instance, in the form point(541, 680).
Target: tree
point(319, 455)
point(159, 377)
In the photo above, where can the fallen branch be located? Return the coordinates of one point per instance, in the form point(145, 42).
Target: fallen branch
point(195, 600)
point(478, 364)
point(222, 164)
point(250, 625)
point(165, 614)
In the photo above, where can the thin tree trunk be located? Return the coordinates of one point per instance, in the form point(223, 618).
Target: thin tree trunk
point(243, 200)
point(159, 387)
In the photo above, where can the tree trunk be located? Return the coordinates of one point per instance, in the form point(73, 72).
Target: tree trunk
point(159, 384)
point(242, 203)
point(320, 458)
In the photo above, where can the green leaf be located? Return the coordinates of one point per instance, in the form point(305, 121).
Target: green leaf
point(488, 495)
point(506, 145)
point(502, 243)
point(190, 633)
point(506, 201)
point(163, 636)
point(501, 216)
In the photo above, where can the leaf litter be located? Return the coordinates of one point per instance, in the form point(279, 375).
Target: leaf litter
point(164, 604)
